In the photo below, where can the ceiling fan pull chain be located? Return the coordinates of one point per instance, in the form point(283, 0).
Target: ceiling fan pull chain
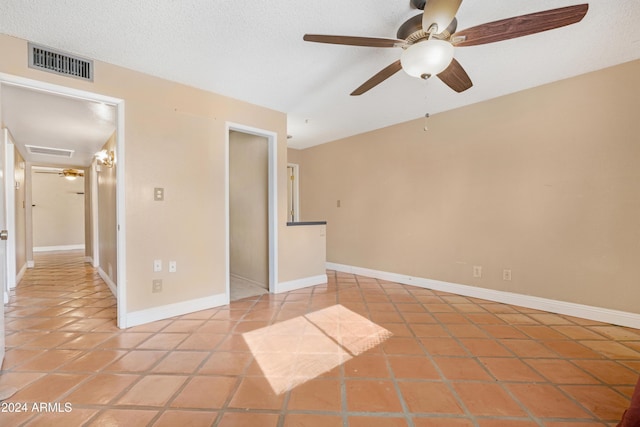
point(426, 116)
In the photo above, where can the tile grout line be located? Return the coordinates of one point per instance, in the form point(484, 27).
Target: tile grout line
point(443, 379)
point(42, 292)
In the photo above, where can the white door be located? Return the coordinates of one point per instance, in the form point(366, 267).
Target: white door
point(3, 240)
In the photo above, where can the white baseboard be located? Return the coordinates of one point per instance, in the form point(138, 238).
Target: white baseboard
point(305, 282)
point(88, 260)
point(31, 264)
point(110, 283)
point(20, 274)
point(599, 314)
point(57, 248)
point(176, 309)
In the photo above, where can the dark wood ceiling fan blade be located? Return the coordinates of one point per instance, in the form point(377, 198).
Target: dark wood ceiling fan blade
point(354, 41)
point(381, 76)
point(519, 26)
point(455, 77)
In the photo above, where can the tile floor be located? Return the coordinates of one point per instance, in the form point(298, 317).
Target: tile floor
point(366, 353)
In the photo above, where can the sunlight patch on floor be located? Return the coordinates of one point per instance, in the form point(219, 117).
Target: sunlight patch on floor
point(295, 351)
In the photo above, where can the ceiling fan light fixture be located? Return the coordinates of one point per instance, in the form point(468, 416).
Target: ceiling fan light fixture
point(427, 58)
point(72, 174)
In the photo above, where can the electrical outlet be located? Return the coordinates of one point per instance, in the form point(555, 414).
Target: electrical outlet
point(157, 265)
point(156, 286)
point(506, 274)
point(172, 266)
point(477, 271)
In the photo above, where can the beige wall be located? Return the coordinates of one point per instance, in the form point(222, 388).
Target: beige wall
point(20, 239)
point(58, 214)
point(249, 207)
point(174, 138)
point(294, 155)
point(306, 252)
point(544, 182)
point(107, 218)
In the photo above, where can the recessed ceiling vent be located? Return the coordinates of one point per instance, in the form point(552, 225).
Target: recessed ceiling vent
point(47, 59)
point(48, 151)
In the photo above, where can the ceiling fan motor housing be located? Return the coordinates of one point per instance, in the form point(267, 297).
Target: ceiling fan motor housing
point(419, 4)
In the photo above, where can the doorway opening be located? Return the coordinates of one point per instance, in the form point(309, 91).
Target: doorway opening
point(251, 212)
point(57, 209)
point(98, 104)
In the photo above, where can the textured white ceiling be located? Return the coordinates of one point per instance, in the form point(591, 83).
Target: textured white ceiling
point(253, 51)
point(46, 120)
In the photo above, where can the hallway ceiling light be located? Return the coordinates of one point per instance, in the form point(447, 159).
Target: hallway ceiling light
point(105, 158)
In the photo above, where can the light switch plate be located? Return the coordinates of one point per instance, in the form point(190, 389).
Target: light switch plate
point(158, 194)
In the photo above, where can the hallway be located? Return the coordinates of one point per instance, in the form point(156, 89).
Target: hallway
point(355, 352)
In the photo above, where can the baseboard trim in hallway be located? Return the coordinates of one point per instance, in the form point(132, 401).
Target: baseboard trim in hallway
point(107, 280)
point(58, 248)
point(621, 318)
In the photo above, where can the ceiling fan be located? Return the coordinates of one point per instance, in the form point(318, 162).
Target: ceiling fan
point(428, 40)
point(69, 174)
point(72, 174)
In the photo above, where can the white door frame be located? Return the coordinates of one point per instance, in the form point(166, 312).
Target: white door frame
point(5, 243)
point(8, 79)
point(272, 142)
point(95, 234)
point(10, 211)
point(296, 191)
